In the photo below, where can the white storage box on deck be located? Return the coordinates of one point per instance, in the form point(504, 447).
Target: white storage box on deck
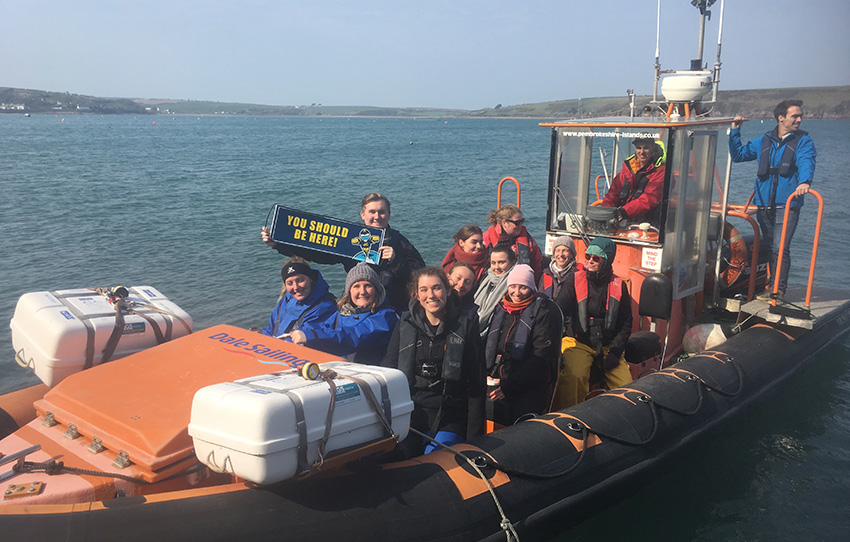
point(60, 333)
point(250, 427)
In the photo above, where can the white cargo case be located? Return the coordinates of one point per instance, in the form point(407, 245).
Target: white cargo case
point(59, 333)
point(250, 428)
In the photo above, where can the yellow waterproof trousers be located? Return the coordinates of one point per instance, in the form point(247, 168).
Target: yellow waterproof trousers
point(574, 380)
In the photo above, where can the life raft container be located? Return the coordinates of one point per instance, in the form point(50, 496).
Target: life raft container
point(272, 427)
point(58, 333)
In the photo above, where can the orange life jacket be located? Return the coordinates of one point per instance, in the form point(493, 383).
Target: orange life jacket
point(612, 303)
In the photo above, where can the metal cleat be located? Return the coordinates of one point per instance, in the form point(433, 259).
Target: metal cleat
point(49, 420)
point(20, 456)
point(96, 445)
point(72, 432)
point(122, 461)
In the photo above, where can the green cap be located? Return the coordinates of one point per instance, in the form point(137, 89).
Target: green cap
point(602, 247)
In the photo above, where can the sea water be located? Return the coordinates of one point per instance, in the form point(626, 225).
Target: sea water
point(178, 203)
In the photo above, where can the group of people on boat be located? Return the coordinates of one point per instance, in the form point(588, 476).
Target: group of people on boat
point(482, 336)
point(494, 332)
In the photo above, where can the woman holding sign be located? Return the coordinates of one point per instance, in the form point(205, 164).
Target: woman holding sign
point(363, 325)
point(305, 298)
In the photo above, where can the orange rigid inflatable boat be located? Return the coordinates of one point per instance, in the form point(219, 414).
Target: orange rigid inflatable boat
point(113, 452)
point(117, 450)
point(128, 468)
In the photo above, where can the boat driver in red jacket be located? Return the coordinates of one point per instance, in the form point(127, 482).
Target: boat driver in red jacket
point(639, 187)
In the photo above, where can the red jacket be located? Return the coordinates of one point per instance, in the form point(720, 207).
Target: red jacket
point(523, 244)
point(636, 205)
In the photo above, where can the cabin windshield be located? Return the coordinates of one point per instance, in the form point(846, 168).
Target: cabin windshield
point(666, 205)
point(585, 162)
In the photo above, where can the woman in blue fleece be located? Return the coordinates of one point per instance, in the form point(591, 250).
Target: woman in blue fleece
point(304, 298)
point(361, 329)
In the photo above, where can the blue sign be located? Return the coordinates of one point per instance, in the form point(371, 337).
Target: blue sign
point(329, 235)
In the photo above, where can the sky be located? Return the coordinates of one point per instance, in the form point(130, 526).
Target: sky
point(462, 54)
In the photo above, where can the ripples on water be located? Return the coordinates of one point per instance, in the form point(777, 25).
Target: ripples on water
point(100, 201)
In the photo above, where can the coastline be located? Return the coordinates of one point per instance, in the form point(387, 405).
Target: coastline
point(820, 103)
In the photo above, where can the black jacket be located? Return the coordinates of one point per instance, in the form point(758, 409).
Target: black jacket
point(462, 400)
point(537, 369)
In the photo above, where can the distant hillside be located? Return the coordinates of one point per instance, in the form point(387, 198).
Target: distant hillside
point(17, 100)
point(185, 107)
point(819, 103)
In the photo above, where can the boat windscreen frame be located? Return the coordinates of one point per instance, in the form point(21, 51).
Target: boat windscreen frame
point(568, 201)
point(691, 164)
point(681, 239)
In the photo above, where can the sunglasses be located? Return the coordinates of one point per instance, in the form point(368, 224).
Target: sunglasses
point(519, 222)
point(593, 258)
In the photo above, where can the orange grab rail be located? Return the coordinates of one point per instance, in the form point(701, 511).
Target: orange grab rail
point(745, 207)
point(814, 248)
point(596, 182)
point(499, 195)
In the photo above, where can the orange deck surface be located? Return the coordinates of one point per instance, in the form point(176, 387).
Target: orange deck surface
point(142, 403)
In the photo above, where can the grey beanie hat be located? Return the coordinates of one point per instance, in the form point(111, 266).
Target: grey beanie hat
point(566, 241)
point(364, 271)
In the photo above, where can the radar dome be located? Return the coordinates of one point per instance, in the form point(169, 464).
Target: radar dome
point(686, 86)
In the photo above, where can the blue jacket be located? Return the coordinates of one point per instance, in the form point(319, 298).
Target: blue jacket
point(804, 160)
point(316, 308)
point(362, 336)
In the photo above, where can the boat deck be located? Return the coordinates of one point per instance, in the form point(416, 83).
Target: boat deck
point(826, 304)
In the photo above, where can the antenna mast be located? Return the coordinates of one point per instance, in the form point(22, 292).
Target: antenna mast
point(657, 54)
point(685, 88)
point(717, 62)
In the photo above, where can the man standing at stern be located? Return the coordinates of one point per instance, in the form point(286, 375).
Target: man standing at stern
point(786, 165)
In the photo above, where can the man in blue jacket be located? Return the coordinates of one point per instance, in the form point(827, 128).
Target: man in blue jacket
point(786, 159)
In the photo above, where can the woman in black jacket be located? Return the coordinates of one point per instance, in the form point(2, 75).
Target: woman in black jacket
point(437, 345)
point(523, 350)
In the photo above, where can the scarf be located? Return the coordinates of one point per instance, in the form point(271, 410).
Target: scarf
point(559, 273)
point(511, 306)
point(347, 309)
point(479, 261)
point(489, 294)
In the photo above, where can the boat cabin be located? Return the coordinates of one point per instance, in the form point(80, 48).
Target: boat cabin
point(671, 239)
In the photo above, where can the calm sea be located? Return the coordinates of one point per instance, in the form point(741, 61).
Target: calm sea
point(178, 203)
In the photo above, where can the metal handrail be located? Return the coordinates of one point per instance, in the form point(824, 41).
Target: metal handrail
point(499, 195)
point(814, 248)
